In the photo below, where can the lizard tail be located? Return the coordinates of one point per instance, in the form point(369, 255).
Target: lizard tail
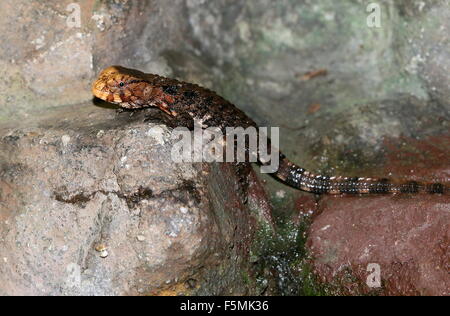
point(300, 178)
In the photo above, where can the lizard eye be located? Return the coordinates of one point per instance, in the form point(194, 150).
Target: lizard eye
point(121, 84)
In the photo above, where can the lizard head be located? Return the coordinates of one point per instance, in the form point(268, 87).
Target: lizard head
point(126, 87)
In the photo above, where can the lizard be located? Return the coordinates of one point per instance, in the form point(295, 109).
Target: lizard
point(132, 89)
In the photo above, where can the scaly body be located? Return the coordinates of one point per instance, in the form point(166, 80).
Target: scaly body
point(132, 89)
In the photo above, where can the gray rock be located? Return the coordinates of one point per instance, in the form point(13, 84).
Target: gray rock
point(92, 204)
point(49, 61)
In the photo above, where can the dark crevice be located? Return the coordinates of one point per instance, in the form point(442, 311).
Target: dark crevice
point(79, 199)
point(133, 199)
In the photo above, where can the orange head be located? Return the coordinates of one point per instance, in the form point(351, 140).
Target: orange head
point(126, 87)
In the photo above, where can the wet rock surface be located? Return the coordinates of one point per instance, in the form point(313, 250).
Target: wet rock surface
point(406, 237)
point(92, 204)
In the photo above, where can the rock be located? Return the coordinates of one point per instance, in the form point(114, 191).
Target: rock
point(252, 53)
point(427, 45)
point(408, 238)
point(54, 50)
point(255, 54)
point(357, 140)
point(91, 204)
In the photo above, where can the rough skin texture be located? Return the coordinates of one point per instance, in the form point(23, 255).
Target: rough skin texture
point(186, 102)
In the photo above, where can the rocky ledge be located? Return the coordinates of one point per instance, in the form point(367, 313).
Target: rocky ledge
point(91, 204)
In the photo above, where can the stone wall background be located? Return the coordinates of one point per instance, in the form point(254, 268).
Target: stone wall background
point(254, 53)
point(251, 51)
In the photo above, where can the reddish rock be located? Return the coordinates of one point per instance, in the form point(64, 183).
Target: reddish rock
point(306, 206)
point(408, 237)
point(424, 159)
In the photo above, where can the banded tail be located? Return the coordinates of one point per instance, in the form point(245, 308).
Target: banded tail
point(300, 178)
